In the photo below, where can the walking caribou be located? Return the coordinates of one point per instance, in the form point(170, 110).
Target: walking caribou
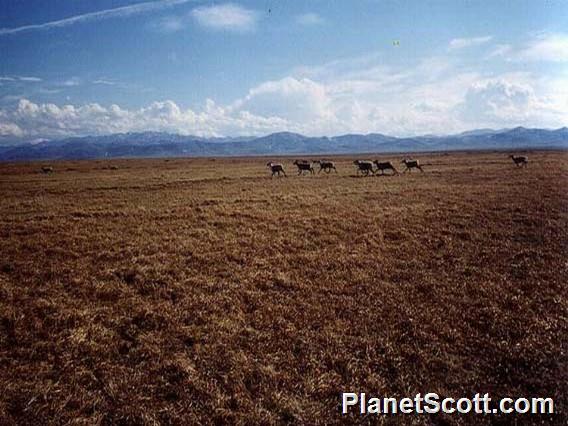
point(385, 165)
point(364, 167)
point(326, 166)
point(276, 169)
point(520, 160)
point(411, 164)
point(304, 166)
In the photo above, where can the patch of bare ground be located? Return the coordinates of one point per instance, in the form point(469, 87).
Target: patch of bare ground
point(191, 291)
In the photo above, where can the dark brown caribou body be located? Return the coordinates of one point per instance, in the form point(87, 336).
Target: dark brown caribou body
point(520, 160)
point(385, 165)
point(326, 166)
point(364, 167)
point(276, 169)
point(304, 166)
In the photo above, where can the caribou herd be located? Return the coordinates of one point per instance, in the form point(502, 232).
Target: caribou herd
point(365, 167)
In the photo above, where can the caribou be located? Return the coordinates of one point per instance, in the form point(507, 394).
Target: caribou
point(411, 164)
point(364, 167)
point(385, 165)
point(47, 169)
point(520, 160)
point(326, 166)
point(276, 169)
point(304, 166)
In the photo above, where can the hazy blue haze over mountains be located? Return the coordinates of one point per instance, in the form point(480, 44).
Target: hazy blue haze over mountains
point(156, 144)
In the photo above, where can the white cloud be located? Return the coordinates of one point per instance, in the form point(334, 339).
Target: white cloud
point(309, 19)
point(104, 82)
point(117, 12)
point(498, 101)
point(71, 82)
point(435, 94)
point(502, 103)
point(546, 47)
point(31, 79)
point(461, 43)
point(542, 47)
point(10, 129)
point(291, 99)
point(226, 16)
point(31, 120)
point(170, 24)
point(500, 50)
point(21, 78)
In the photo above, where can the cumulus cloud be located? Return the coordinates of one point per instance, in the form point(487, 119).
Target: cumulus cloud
point(31, 120)
point(501, 103)
point(226, 16)
point(437, 95)
point(10, 129)
point(498, 101)
point(461, 43)
point(289, 98)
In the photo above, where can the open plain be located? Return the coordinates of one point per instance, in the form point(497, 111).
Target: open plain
point(201, 291)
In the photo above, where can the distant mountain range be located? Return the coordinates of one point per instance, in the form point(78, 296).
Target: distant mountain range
point(157, 144)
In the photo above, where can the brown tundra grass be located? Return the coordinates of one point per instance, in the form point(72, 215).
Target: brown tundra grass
point(197, 291)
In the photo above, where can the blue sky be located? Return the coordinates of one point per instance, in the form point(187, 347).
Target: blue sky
point(319, 67)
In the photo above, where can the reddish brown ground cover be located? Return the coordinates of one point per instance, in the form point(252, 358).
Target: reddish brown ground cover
point(202, 291)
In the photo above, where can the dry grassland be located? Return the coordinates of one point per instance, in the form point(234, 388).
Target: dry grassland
point(200, 291)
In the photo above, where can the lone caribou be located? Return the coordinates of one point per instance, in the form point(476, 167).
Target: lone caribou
point(520, 160)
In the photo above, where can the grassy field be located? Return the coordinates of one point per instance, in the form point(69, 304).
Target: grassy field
point(201, 291)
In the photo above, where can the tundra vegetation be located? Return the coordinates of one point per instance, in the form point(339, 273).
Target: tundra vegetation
point(190, 291)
